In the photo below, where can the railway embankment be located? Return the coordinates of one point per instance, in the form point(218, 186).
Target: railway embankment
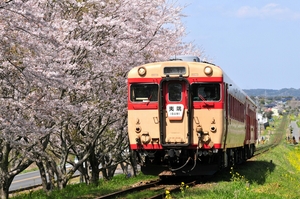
point(274, 173)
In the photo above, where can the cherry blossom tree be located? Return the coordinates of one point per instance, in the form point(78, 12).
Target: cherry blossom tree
point(63, 67)
point(25, 118)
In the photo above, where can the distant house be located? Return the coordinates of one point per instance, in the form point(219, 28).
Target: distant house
point(261, 119)
point(270, 105)
point(275, 111)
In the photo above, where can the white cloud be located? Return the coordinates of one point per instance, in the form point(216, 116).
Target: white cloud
point(271, 10)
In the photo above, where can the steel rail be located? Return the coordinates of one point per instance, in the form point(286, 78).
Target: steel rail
point(131, 189)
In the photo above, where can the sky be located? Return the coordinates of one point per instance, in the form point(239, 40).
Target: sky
point(256, 43)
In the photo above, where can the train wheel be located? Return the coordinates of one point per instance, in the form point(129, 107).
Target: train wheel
point(224, 160)
point(247, 148)
point(231, 159)
point(241, 155)
point(252, 149)
point(236, 156)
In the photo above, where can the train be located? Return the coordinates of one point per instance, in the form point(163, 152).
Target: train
point(187, 117)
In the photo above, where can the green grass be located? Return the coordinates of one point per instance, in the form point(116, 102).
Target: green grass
point(275, 174)
point(269, 176)
point(81, 190)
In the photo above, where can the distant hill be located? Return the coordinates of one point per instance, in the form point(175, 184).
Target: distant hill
point(285, 92)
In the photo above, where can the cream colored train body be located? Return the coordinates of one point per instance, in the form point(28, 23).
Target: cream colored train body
point(186, 117)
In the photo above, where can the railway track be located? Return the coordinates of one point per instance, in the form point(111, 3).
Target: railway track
point(265, 148)
point(176, 188)
point(278, 136)
point(160, 186)
point(132, 189)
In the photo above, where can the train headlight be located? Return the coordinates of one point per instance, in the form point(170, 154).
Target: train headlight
point(142, 71)
point(199, 129)
point(208, 70)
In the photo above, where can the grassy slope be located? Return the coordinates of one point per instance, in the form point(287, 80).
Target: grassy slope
point(272, 175)
point(275, 174)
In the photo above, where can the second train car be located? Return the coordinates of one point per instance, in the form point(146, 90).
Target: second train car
point(187, 117)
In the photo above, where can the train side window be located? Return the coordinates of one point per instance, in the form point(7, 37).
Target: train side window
point(174, 90)
point(205, 92)
point(144, 92)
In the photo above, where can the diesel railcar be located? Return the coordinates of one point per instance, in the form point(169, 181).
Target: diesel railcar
point(187, 117)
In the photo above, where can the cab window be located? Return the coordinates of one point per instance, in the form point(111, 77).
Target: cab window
point(205, 92)
point(143, 92)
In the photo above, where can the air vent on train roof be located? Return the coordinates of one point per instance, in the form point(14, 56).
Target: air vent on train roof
point(185, 58)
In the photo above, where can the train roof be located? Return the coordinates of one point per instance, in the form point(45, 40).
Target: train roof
point(191, 62)
point(162, 69)
point(188, 58)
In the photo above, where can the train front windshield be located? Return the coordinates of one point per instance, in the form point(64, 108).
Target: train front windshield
point(143, 92)
point(205, 92)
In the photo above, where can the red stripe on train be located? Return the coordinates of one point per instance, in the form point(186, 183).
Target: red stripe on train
point(144, 80)
point(154, 105)
point(159, 146)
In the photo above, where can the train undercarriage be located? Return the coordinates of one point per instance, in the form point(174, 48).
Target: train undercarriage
point(190, 162)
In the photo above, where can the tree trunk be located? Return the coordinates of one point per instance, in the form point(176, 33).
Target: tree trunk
point(84, 176)
point(111, 171)
point(42, 170)
point(94, 162)
point(133, 163)
point(4, 187)
point(61, 183)
point(51, 182)
point(4, 191)
point(104, 174)
point(124, 166)
point(61, 178)
point(95, 176)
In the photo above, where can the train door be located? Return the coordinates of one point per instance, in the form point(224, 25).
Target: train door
point(226, 113)
point(175, 128)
